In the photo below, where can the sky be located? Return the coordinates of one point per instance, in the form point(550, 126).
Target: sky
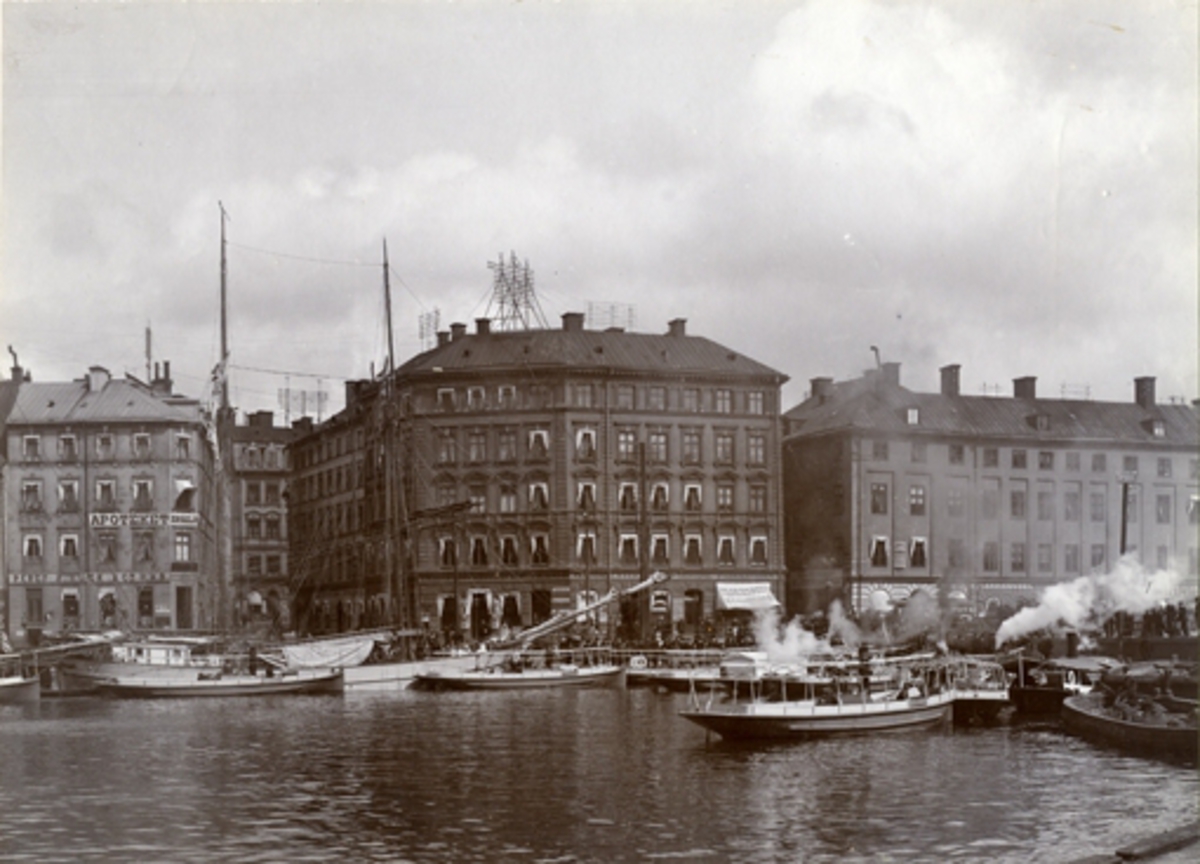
point(1008, 185)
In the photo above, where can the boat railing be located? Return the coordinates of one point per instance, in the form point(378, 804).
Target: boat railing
point(549, 658)
point(669, 658)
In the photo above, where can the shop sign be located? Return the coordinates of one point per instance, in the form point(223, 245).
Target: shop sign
point(84, 578)
point(142, 520)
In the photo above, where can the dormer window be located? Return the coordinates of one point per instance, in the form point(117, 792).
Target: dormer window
point(1157, 428)
point(1041, 422)
point(914, 416)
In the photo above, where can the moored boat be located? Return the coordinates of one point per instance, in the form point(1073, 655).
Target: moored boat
point(1040, 687)
point(587, 667)
point(1134, 723)
point(193, 683)
point(19, 681)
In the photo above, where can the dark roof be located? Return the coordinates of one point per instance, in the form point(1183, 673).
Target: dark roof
point(869, 404)
point(598, 350)
point(8, 396)
point(119, 400)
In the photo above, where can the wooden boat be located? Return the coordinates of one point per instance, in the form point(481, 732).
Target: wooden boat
point(1140, 725)
point(1040, 687)
point(674, 670)
point(149, 658)
point(191, 684)
point(528, 671)
point(19, 681)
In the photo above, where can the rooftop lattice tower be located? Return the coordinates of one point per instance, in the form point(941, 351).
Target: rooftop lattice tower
point(514, 305)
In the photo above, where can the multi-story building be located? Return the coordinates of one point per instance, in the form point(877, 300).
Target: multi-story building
point(258, 507)
point(107, 519)
point(542, 468)
point(888, 491)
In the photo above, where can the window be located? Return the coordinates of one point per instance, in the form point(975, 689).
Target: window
point(106, 494)
point(477, 445)
point(1099, 462)
point(916, 500)
point(479, 555)
point(585, 443)
point(67, 450)
point(1045, 506)
point(1098, 557)
point(447, 447)
point(758, 551)
point(506, 394)
point(917, 555)
point(272, 496)
point(659, 497)
point(506, 445)
point(182, 546)
point(1045, 558)
point(445, 399)
point(508, 550)
point(183, 447)
point(656, 450)
point(913, 416)
point(1017, 503)
point(1045, 460)
point(141, 446)
point(143, 547)
point(1162, 509)
point(629, 549)
point(991, 556)
point(725, 555)
point(879, 451)
point(758, 499)
point(626, 445)
point(446, 494)
point(253, 526)
point(991, 457)
point(724, 498)
point(691, 447)
point(447, 551)
point(1071, 507)
point(1098, 507)
point(691, 497)
point(879, 551)
point(879, 498)
point(1017, 557)
point(585, 548)
point(989, 503)
point(1071, 558)
point(31, 496)
point(954, 502)
point(656, 398)
point(957, 453)
point(723, 401)
point(1129, 464)
point(628, 499)
point(659, 550)
point(253, 493)
point(539, 496)
point(143, 498)
point(274, 565)
point(68, 545)
point(691, 399)
point(1164, 467)
point(1019, 459)
point(32, 545)
point(755, 402)
point(756, 449)
point(475, 398)
point(625, 397)
point(691, 550)
point(31, 448)
point(539, 443)
point(920, 452)
point(1073, 461)
point(582, 395)
point(254, 565)
point(586, 498)
point(1131, 507)
point(508, 498)
point(104, 446)
point(723, 447)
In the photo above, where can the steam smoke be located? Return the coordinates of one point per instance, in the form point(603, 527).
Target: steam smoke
point(1089, 600)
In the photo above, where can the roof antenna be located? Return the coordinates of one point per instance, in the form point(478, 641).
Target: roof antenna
point(878, 364)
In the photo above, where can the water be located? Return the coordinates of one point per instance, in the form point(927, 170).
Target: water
point(588, 776)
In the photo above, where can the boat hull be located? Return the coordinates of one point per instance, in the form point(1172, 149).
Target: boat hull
point(530, 679)
point(19, 690)
point(383, 677)
point(193, 686)
point(1087, 717)
point(767, 720)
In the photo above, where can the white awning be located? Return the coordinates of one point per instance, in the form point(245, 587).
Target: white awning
point(745, 595)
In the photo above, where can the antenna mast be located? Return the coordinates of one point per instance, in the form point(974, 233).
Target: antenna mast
point(514, 297)
point(224, 321)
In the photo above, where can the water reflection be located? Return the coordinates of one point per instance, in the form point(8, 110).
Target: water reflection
point(556, 776)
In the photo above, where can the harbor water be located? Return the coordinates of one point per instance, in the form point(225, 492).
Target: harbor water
point(554, 776)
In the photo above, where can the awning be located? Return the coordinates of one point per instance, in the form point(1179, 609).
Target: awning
point(745, 595)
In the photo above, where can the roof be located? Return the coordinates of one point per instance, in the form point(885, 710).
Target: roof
point(870, 404)
point(118, 401)
point(588, 350)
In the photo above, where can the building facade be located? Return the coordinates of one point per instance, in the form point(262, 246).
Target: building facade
point(542, 468)
point(889, 491)
point(108, 522)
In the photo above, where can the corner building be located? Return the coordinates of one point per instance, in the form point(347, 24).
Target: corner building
point(544, 467)
point(108, 519)
point(991, 499)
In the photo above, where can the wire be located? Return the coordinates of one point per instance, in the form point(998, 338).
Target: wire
point(302, 257)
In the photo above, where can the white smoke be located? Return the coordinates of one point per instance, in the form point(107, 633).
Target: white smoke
point(1089, 600)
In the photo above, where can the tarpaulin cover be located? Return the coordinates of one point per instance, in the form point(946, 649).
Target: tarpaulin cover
point(351, 651)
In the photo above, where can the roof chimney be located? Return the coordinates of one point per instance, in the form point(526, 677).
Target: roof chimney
point(443, 338)
point(161, 385)
point(572, 321)
point(457, 331)
point(821, 387)
point(891, 373)
point(483, 326)
point(1143, 392)
point(677, 327)
point(950, 380)
point(1025, 388)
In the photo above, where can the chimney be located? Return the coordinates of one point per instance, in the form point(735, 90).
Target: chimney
point(161, 385)
point(1143, 392)
point(572, 322)
point(304, 424)
point(821, 387)
point(1025, 388)
point(97, 377)
point(443, 338)
point(457, 331)
point(891, 373)
point(950, 382)
point(483, 326)
point(677, 327)
point(17, 371)
point(262, 419)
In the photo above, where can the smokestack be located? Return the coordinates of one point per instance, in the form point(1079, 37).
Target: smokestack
point(891, 373)
point(950, 380)
point(677, 327)
point(443, 338)
point(1025, 388)
point(821, 387)
point(483, 326)
point(457, 331)
point(1143, 392)
point(572, 322)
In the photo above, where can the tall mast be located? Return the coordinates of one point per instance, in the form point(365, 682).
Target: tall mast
point(224, 320)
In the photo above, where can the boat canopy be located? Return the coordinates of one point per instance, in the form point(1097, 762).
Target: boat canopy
point(745, 595)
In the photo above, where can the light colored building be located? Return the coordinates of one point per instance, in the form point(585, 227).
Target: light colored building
point(107, 518)
point(543, 467)
point(889, 491)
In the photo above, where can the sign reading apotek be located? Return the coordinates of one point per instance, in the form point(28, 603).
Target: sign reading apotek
point(143, 520)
